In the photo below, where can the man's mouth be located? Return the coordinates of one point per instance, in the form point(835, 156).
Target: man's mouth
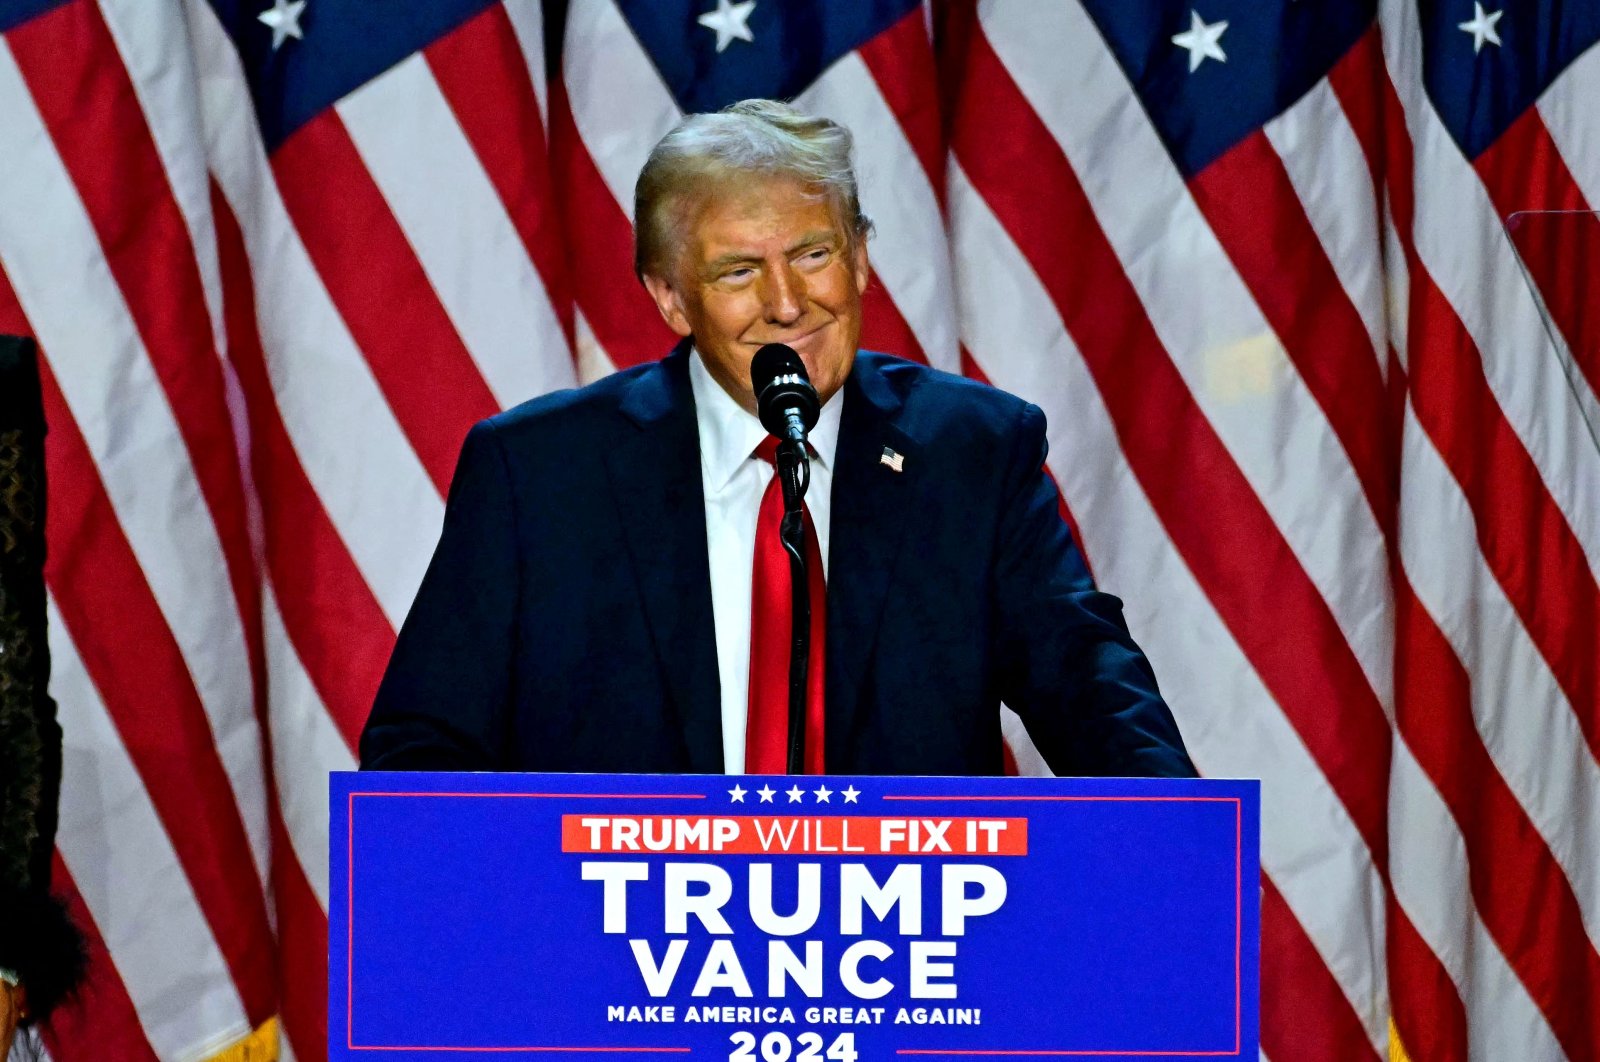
point(795, 341)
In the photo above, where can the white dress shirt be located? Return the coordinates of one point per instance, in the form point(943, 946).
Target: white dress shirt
point(733, 480)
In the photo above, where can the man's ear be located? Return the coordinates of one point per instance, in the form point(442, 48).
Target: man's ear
point(668, 302)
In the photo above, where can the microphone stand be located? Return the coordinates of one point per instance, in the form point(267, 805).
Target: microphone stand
point(794, 472)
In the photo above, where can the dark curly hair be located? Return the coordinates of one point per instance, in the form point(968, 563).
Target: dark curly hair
point(37, 938)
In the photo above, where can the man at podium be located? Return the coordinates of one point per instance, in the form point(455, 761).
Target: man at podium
point(610, 594)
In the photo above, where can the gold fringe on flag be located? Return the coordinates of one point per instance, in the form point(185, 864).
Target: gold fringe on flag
point(259, 1046)
point(1397, 1050)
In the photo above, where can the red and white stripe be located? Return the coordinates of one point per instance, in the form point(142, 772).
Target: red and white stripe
point(236, 438)
point(1485, 1004)
point(1498, 477)
point(1481, 800)
point(115, 844)
point(1431, 943)
point(1229, 720)
point(488, 286)
point(1212, 370)
point(609, 109)
point(142, 459)
point(315, 372)
point(898, 180)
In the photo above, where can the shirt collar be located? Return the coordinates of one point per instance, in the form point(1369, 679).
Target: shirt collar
point(729, 433)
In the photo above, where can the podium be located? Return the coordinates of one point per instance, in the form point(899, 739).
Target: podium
point(791, 918)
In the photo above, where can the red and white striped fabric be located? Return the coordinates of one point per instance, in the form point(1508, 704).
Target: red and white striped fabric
point(1311, 427)
point(1495, 799)
point(262, 352)
point(1248, 256)
point(1203, 464)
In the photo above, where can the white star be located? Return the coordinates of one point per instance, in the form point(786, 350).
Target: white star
point(765, 793)
point(796, 794)
point(737, 792)
point(822, 793)
point(1202, 41)
point(730, 20)
point(284, 19)
point(850, 795)
point(1481, 26)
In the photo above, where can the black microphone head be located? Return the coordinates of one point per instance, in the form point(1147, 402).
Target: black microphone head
point(781, 384)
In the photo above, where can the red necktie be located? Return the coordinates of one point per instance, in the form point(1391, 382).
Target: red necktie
point(766, 742)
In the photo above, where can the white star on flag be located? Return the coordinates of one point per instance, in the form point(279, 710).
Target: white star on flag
point(765, 793)
point(284, 20)
point(1481, 26)
point(1202, 41)
point(730, 21)
point(737, 793)
point(851, 794)
point(796, 794)
point(822, 793)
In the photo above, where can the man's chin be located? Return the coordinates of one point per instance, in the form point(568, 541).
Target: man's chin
point(818, 349)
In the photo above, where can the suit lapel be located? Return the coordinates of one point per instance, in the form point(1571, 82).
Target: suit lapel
point(655, 478)
point(871, 503)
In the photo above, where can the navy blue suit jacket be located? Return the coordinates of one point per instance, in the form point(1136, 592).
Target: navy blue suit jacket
point(565, 622)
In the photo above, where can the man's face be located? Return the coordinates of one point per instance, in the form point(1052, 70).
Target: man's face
point(766, 262)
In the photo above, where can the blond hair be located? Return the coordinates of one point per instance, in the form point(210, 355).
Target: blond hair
point(760, 138)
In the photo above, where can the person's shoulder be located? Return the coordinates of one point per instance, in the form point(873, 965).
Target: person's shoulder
point(590, 411)
point(943, 401)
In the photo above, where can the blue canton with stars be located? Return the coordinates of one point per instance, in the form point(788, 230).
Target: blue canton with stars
point(346, 44)
point(792, 44)
point(1480, 92)
point(1276, 50)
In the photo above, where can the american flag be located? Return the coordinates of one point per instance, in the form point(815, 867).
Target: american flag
point(1279, 271)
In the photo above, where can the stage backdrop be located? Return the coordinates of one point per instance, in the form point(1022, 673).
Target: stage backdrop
point(1248, 255)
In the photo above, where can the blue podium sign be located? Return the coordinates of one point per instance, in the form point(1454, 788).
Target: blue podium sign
point(792, 919)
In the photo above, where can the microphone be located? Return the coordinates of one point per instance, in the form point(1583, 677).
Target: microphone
point(788, 407)
point(785, 400)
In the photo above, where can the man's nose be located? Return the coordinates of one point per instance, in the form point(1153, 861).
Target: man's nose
point(784, 296)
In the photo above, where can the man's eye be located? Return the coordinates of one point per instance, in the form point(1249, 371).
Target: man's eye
point(819, 255)
point(739, 274)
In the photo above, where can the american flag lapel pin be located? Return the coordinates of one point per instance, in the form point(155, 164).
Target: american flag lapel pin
point(896, 462)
